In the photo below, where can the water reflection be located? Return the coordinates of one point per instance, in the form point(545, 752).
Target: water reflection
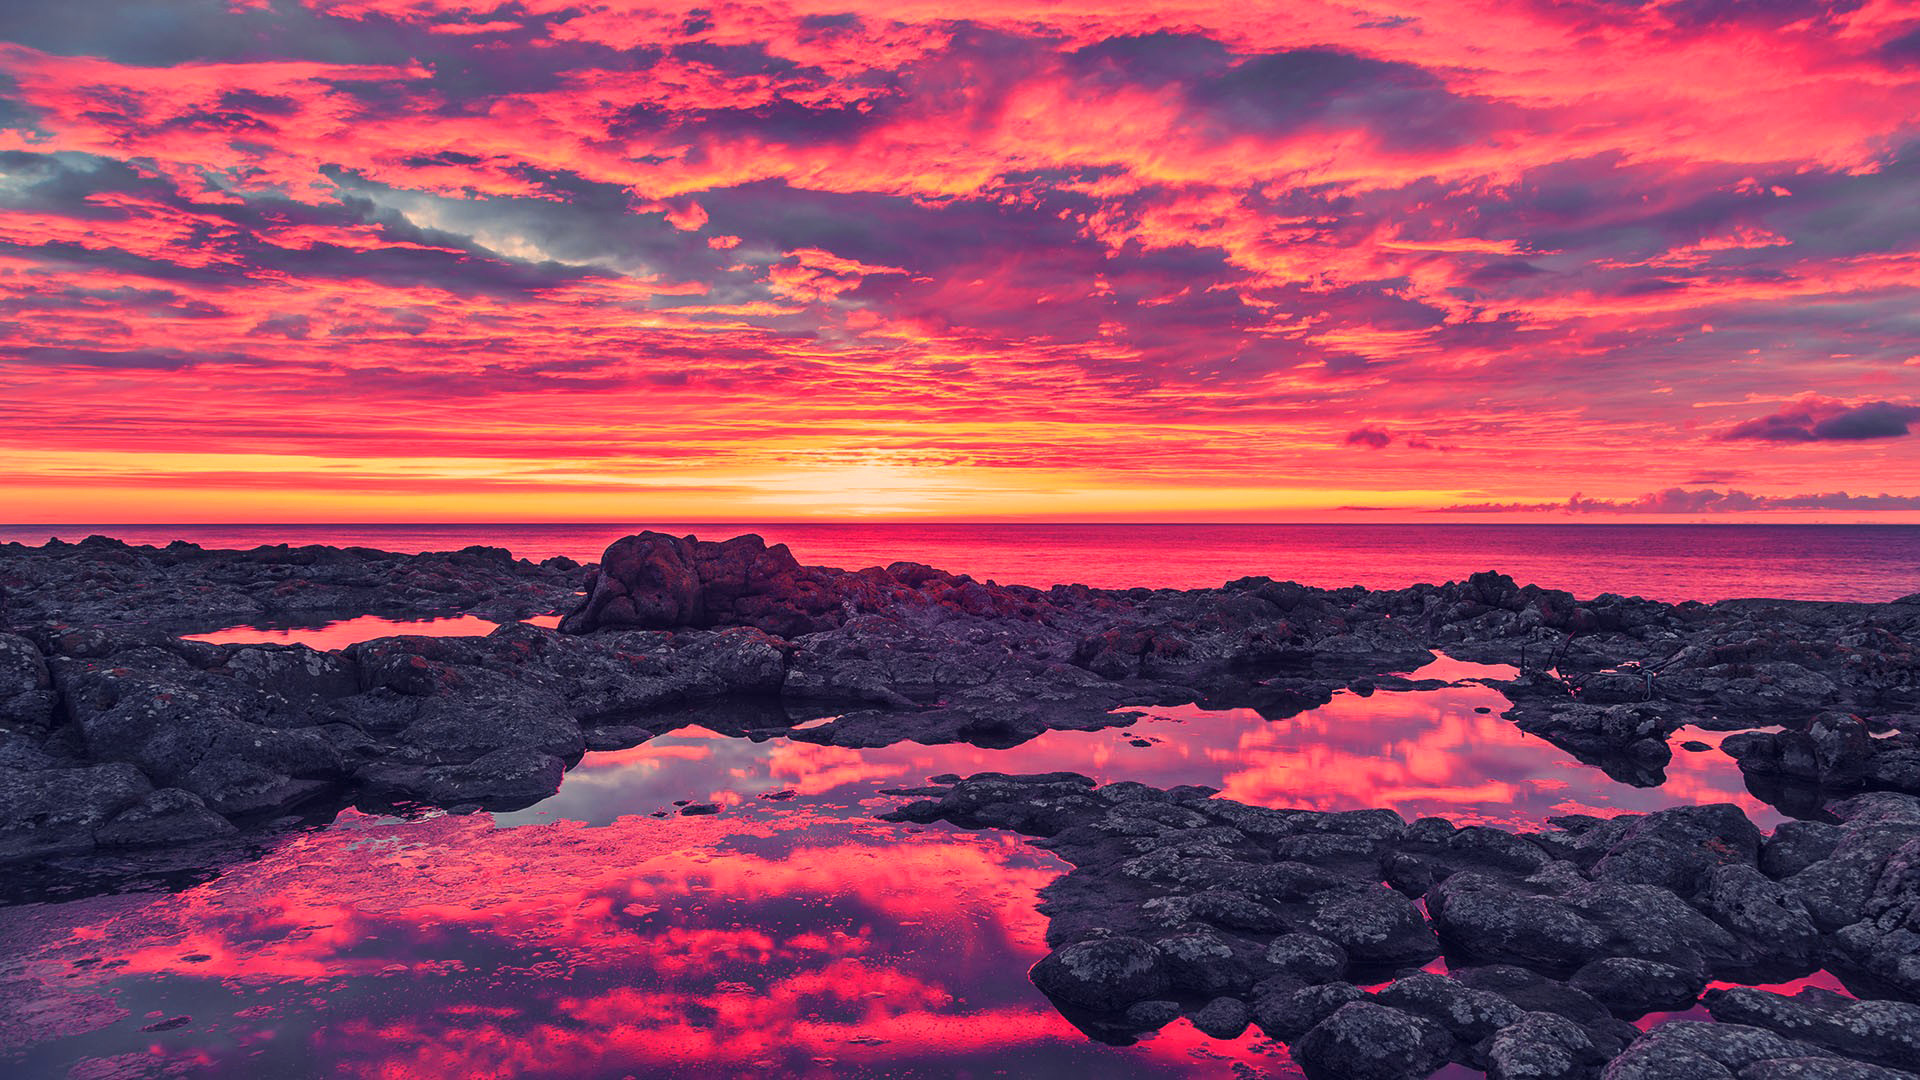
point(340, 633)
point(1443, 752)
point(790, 933)
point(796, 942)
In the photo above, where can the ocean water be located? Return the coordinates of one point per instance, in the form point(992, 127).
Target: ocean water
point(1663, 562)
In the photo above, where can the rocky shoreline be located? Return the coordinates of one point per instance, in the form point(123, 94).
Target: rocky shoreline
point(1325, 930)
point(116, 734)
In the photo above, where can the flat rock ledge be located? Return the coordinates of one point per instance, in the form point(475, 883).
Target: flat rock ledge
point(114, 732)
point(1381, 949)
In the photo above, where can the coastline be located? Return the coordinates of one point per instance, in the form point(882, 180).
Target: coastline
point(120, 735)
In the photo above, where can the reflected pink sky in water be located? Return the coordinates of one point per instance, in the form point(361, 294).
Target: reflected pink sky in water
point(801, 943)
point(788, 936)
point(340, 633)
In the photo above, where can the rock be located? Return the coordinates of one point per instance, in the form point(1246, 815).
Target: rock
point(1482, 919)
point(1203, 963)
point(1152, 1015)
point(1103, 975)
point(1542, 1046)
point(1469, 1015)
point(167, 816)
point(1378, 926)
point(47, 812)
point(1631, 988)
point(1364, 1041)
point(1289, 1015)
point(1764, 913)
point(504, 779)
point(1223, 1018)
point(1818, 1069)
point(1309, 958)
point(1880, 1032)
point(26, 687)
point(1796, 845)
point(1687, 1049)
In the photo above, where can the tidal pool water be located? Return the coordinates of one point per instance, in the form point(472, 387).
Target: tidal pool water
point(340, 633)
point(603, 933)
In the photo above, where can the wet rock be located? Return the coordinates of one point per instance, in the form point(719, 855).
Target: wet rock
point(1879, 1032)
point(1467, 1014)
point(1684, 1049)
point(1796, 845)
point(1289, 1015)
point(1152, 1015)
point(1309, 958)
point(1365, 1041)
point(1104, 975)
point(167, 816)
point(504, 779)
point(1223, 1018)
point(26, 688)
point(1631, 987)
point(1377, 926)
point(1482, 919)
point(58, 811)
point(1542, 1046)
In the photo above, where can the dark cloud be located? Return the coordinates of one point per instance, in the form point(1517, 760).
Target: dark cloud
point(1815, 421)
point(1370, 437)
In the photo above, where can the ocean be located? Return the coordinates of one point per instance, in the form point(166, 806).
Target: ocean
point(1664, 562)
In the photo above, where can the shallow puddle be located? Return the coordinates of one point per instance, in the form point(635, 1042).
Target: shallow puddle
point(340, 633)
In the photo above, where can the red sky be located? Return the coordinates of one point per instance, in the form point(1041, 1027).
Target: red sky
point(1148, 259)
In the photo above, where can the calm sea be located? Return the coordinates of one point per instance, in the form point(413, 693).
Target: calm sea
point(1667, 562)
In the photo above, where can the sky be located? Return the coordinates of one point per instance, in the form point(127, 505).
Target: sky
point(576, 260)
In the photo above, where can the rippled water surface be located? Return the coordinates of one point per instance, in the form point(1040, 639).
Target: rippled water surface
point(1665, 562)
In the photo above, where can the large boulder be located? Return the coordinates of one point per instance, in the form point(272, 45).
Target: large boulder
point(1103, 975)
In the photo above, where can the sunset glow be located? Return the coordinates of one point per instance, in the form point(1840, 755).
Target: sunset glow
point(465, 260)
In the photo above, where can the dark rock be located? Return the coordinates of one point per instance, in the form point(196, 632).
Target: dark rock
point(1223, 1018)
point(1469, 1015)
point(1309, 958)
point(1881, 1032)
point(1203, 963)
point(504, 779)
point(1152, 1015)
point(1684, 1049)
point(1796, 845)
point(1482, 919)
point(1290, 1015)
point(1542, 1046)
point(1364, 1041)
point(1631, 988)
point(58, 811)
point(1377, 926)
point(167, 816)
point(26, 688)
point(1104, 975)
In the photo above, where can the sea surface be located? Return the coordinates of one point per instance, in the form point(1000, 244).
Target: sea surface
point(1662, 562)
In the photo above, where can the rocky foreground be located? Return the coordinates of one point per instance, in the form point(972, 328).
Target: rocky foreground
point(115, 733)
point(1378, 948)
